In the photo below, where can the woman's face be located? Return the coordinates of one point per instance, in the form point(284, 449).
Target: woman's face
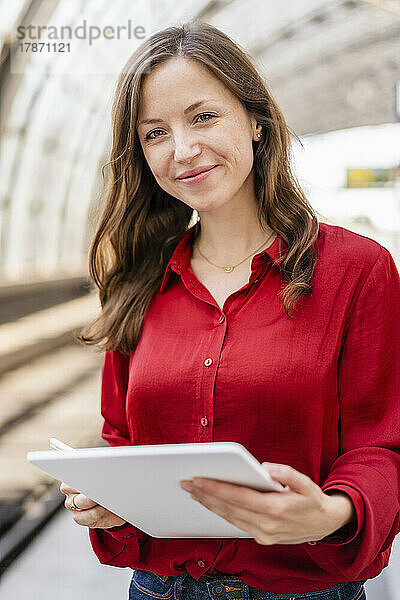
point(217, 133)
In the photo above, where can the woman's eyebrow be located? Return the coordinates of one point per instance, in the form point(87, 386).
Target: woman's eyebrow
point(187, 110)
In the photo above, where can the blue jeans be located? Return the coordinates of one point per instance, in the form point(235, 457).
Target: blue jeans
point(145, 585)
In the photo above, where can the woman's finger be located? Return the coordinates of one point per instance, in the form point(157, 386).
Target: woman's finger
point(87, 518)
point(253, 523)
point(66, 489)
point(287, 475)
point(81, 501)
point(241, 496)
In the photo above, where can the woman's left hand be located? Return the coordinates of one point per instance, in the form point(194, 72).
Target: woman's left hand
point(301, 513)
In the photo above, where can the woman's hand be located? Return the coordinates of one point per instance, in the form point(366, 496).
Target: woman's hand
point(301, 513)
point(93, 515)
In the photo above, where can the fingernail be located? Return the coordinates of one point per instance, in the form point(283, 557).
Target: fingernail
point(186, 485)
point(198, 483)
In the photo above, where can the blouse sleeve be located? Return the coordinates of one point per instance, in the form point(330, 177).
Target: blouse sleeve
point(368, 465)
point(119, 544)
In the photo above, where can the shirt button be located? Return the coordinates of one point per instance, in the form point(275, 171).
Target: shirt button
point(311, 543)
point(201, 563)
point(204, 421)
point(208, 362)
point(221, 319)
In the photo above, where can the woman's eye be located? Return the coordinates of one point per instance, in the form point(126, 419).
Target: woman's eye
point(147, 137)
point(150, 135)
point(206, 115)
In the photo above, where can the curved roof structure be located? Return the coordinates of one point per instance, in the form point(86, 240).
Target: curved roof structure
point(330, 65)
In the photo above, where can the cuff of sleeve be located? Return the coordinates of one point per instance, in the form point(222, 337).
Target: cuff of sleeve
point(112, 551)
point(347, 533)
point(126, 531)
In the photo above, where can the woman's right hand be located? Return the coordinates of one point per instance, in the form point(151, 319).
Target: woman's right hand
point(93, 515)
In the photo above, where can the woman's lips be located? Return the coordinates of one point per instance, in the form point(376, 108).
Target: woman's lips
point(199, 177)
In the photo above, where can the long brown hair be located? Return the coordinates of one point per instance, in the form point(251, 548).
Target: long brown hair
point(141, 224)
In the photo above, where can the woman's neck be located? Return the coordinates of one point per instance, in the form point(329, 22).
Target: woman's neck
point(229, 246)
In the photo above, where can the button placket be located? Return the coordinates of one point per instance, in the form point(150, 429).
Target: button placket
point(213, 343)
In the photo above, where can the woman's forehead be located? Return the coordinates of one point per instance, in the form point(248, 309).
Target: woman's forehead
point(176, 65)
point(177, 76)
point(179, 90)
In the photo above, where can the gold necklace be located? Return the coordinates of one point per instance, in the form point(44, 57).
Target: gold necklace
point(229, 268)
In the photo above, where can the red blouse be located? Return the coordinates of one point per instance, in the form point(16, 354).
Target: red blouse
point(319, 392)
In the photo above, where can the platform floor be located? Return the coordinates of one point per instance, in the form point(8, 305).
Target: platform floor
point(59, 565)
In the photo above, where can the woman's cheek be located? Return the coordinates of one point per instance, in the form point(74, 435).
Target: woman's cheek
point(164, 181)
point(158, 167)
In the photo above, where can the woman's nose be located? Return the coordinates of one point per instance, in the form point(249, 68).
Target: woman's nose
point(186, 148)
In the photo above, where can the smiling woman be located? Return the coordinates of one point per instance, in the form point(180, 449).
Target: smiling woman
point(181, 107)
point(221, 143)
point(200, 344)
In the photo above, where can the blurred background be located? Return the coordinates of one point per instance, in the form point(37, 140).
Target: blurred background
point(334, 68)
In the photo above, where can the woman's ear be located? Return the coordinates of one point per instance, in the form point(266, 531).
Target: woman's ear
point(257, 130)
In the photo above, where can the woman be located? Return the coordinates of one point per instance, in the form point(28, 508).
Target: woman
point(201, 345)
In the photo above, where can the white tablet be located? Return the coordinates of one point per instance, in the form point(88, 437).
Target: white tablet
point(141, 484)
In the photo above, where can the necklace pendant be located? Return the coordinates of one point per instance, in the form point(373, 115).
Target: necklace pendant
point(228, 269)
